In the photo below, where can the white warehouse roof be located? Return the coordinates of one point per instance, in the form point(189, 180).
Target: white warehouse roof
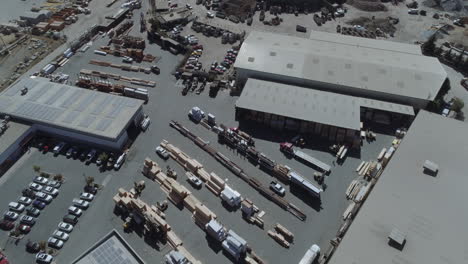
point(68, 107)
point(335, 59)
point(429, 210)
point(309, 104)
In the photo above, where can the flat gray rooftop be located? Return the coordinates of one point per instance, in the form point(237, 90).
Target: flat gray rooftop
point(334, 59)
point(310, 104)
point(13, 132)
point(112, 249)
point(429, 210)
point(68, 107)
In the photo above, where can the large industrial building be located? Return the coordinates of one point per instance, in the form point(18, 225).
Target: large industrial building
point(416, 213)
point(374, 69)
point(71, 113)
point(334, 116)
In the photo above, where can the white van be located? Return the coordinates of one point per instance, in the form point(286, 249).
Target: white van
point(145, 123)
point(120, 161)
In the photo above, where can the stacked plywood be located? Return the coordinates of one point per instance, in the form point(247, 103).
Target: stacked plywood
point(215, 184)
point(202, 215)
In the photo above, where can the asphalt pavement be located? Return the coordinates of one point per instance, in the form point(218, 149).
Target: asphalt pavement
point(166, 103)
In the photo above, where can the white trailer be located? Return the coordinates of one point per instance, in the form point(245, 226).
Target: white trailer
point(310, 255)
point(309, 159)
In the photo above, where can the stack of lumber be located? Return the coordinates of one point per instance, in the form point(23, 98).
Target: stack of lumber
point(353, 189)
point(203, 174)
point(202, 215)
point(350, 210)
point(284, 232)
point(190, 202)
point(177, 193)
point(251, 213)
point(281, 172)
point(173, 239)
point(278, 238)
point(215, 184)
point(187, 255)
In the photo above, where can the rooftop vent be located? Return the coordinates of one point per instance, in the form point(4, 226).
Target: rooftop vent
point(272, 53)
point(397, 239)
point(430, 168)
point(289, 65)
point(251, 59)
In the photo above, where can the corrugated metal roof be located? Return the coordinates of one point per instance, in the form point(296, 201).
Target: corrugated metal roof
point(363, 63)
point(69, 107)
point(310, 104)
point(430, 210)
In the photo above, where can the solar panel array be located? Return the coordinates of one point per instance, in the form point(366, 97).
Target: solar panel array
point(110, 253)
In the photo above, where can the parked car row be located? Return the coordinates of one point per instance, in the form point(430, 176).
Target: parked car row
point(107, 161)
point(28, 207)
point(192, 62)
point(62, 233)
point(223, 66)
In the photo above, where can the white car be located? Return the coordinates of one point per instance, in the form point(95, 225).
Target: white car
point(55, 243)
point(17, 207)
point(210, 15)
point(120, 161)
point(60, 235)
point(57, 149)
point(75, 211)
point(162, 152)
point(10, 215)
point(43, 258)
point(40, 180)
point(86, 196)
point(35, 187)
point(25, 200)
point(51, 190)
point(82, 204)
point(44, 197)
point(65, 227)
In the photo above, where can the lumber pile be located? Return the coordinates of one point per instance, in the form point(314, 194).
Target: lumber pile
point(251, 213)
point(281, 172)
point(353, 189)
point(202, 215)
point(117, 77)
point(284, 232)
point(278, 238)
point(215, 184)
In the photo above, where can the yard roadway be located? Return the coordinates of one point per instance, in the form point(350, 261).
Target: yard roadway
point(166, 103)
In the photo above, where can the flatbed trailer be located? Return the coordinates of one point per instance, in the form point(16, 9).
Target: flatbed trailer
point(288, 148)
